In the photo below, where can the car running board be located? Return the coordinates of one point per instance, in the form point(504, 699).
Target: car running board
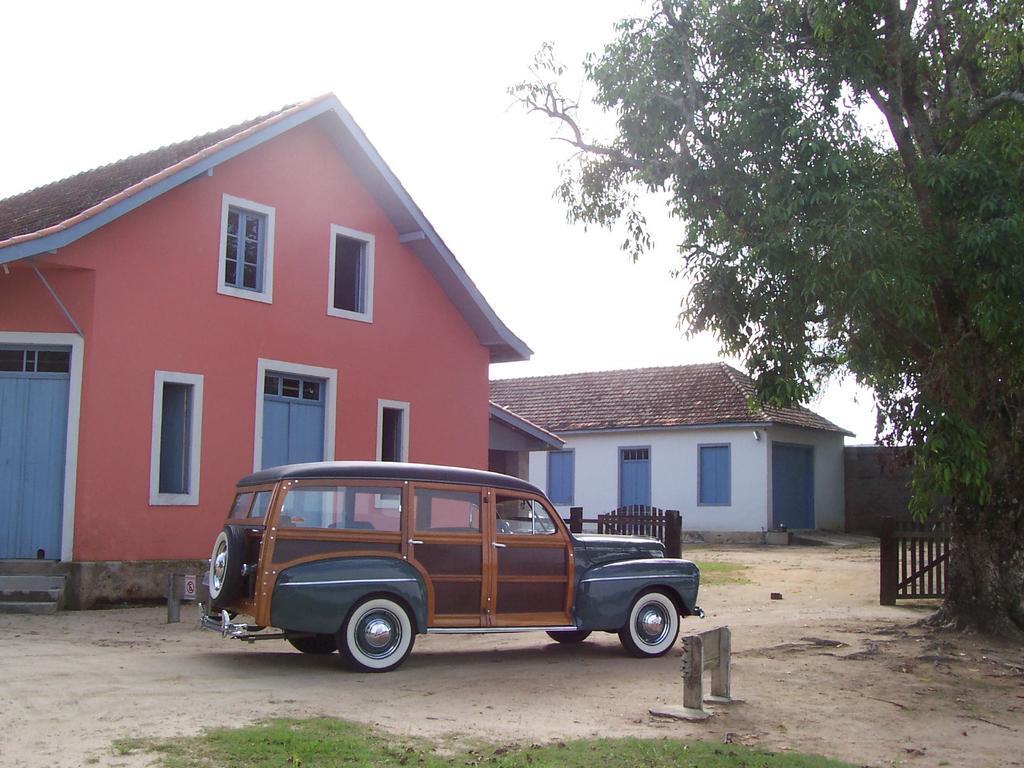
point(487, 630)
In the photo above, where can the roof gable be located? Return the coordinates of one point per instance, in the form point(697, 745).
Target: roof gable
point(54, 215)
point(517, 423)
point(646, 398)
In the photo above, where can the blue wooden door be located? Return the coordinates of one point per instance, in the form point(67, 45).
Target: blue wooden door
point(33, 435)
point(293, 419)
point(792, 485)
point(634, 477)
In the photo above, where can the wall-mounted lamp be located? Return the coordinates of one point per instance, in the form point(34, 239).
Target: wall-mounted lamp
point(757, 435)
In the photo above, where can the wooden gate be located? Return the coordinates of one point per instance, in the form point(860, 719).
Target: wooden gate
point(636, 520)
point(913, 561)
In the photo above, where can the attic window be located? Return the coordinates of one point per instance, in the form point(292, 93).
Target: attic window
point(246, 250)
point(350, 284)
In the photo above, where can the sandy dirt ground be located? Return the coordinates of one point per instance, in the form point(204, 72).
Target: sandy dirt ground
point(825, 670)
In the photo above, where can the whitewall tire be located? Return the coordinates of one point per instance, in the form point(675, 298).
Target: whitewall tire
point(226, 568)
point(652, 627)
point(377, 636)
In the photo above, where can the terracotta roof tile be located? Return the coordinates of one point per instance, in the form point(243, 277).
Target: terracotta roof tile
point(58, 201)
point(686, 395)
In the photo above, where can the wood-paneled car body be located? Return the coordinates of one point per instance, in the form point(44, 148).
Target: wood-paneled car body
point(360, 557)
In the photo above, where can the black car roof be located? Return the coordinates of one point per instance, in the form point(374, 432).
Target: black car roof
point(387, 470)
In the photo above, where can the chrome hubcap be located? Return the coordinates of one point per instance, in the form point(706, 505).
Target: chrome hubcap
point(378, 634)
point(220, 567)
point(651, 624)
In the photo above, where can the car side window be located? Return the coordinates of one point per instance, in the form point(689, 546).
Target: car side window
point(352, 508)
point(448, 511)
point(522, 517)
point(260, 505)
point(240, 506)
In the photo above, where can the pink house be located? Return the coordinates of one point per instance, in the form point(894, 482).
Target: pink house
point(263, 294)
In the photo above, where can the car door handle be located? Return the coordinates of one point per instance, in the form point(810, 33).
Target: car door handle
point(415, 541)
point(500, 546)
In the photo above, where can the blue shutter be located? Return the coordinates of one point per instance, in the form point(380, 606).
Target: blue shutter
point(33, 431)
point(561, 476)
point(175, 438)
point(792, 485)
point(305, 432)
point(293, 420)
point(634, 477)
point(715, 474)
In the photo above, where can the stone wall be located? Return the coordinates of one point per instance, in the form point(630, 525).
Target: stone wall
point(877, 484)
point(108, 582)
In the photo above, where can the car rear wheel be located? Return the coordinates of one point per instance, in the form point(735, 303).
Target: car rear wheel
point(377, 636)
point(318, 644)
point(570, 637)
point(226, 567)
point(652, 627)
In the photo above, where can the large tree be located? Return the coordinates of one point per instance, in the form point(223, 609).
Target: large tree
point(849, 178)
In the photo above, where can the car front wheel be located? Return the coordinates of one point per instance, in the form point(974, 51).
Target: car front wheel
point(377, 636)
point(652, 627)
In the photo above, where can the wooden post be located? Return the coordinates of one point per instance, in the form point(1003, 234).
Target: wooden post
point(693, 672)
point(888, 562)
point(576, 519)
point(673, 533)
point(720, 673)
point(703, 651)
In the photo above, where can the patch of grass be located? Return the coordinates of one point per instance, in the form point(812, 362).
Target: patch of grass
point(327, 743)
point(127, 746)
point(713, 572)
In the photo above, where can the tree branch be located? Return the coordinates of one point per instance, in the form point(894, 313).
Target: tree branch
point(557, 108)
point(976, 115)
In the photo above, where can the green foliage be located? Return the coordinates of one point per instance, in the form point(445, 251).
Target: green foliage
point(715, 573)
point(851, 179)
point(326, 743)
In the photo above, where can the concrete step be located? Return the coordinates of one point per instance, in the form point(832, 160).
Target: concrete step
point(33, 568)
point(31, 581)
point(32, 593)
point(831, 539)
point(27, 607)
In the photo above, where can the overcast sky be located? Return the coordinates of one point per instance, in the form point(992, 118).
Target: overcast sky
point(88, 83)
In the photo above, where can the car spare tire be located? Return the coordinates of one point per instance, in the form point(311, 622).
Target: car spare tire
point(226, 578)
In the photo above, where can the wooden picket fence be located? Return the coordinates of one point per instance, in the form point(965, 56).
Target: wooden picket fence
point(666, 525)
point(913, 561)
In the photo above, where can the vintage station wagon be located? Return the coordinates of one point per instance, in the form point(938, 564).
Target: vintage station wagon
point(360, 557)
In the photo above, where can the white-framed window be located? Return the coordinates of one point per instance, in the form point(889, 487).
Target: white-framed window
point(177, 432)
point(246, 266)
point(350, 278)
point(392, 430)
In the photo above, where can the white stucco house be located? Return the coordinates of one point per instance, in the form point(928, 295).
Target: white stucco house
point(685, 438)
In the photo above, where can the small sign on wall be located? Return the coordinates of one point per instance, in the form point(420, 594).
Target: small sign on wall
point(188, 591)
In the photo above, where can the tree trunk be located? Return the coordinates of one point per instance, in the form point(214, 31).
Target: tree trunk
point(986, 568)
